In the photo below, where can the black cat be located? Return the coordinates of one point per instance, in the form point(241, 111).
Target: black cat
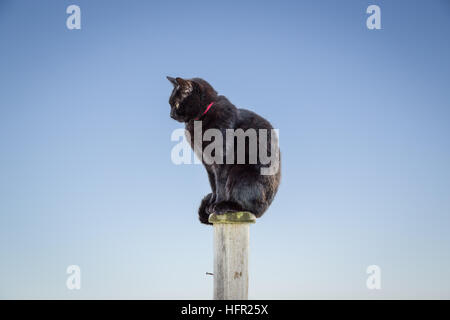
point(236, 186)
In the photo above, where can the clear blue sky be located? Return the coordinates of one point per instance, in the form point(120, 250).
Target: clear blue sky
point(85, 170)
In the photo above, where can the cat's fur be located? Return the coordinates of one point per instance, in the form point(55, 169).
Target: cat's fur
point(235, 187)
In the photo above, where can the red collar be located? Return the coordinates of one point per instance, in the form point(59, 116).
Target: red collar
point(207, 108)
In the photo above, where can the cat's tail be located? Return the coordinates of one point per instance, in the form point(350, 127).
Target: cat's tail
point(202, 214)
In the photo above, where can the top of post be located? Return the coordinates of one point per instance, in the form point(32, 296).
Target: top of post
point(232, 218)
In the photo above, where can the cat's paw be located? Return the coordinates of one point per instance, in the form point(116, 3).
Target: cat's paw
point(223, 207)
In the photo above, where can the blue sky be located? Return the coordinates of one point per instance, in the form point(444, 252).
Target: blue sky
point(85, 170)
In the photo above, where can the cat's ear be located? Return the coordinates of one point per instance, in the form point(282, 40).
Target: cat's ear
point(182, 82)
point(172, 80)
point(186, 85)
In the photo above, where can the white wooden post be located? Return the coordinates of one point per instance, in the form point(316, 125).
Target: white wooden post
point(231, 248)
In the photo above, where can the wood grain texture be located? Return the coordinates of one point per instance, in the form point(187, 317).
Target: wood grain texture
point(231, 250)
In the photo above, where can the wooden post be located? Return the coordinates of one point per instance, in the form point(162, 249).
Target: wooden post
point(231, 248)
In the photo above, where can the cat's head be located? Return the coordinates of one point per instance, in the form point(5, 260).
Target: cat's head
point(189, 98)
